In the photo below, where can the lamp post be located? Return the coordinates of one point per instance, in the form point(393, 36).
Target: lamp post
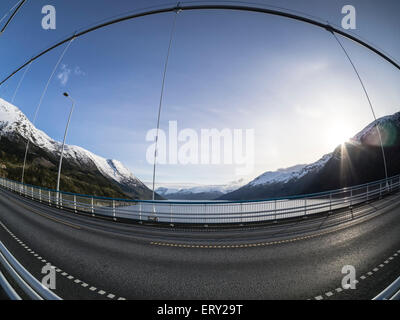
point(63, 145)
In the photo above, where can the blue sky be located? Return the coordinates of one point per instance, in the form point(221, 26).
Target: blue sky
point(288, 81)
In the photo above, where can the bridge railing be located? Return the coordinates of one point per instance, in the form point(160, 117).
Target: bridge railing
point(22, 279)
point(208, 212)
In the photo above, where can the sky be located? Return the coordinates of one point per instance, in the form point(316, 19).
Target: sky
point(287, 81)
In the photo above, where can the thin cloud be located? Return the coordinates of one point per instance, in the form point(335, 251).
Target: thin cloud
point(79, 72)
point(64, 75)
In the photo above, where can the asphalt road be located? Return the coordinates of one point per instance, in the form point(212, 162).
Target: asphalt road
point(301, 259)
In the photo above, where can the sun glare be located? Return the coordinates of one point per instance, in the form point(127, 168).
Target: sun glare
point(339, 133)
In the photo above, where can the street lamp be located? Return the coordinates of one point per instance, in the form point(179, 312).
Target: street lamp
point(62, 149)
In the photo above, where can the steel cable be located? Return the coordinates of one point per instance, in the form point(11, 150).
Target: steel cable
point(41, 100)
point(368, 98)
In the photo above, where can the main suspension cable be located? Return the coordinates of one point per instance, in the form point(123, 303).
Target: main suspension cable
point(18, 5)
point(9, 11)
point(368, 98)
point(215, 5)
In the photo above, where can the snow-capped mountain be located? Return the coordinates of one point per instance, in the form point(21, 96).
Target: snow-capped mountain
point(369, 135)
point(288, 174)
point(358, 162)
point(14, 125)
point(200, 192)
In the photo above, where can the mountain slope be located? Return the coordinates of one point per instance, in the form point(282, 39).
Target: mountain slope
point(83, 171)
point(203, 192)
point(358, 161)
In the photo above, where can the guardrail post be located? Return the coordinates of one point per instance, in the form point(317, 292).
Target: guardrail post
point(75, 203)
point(330, 202)
point(351, 198)
point(305, 206)
point(92, 207)
point(61, 201)
point(49, 198)
point(113, 204)
point(275, 211)
point(32, 193)
point(140, 211)
point(40, 195)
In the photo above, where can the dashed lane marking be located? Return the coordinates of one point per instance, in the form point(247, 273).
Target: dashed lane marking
point(363, 277)
point(63, 273)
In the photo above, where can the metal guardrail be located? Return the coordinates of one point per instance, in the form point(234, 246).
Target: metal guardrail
point(390, 293)
point(208, 212)
point(25, 281)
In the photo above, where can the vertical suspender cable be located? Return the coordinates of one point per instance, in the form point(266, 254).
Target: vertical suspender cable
point(40, 103)
point(161, 98)
point(4, 88)
point(20, 82)
point(369, 101)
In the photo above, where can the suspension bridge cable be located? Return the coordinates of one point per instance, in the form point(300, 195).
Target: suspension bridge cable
point(161, 98)
point(40, 102)
point(12, 16)
point(368, 98)
point(216, 5)
point(4, 89)
point(9, 11)
point(20, 82)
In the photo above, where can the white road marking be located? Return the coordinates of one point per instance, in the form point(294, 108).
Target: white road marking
point(363, 277)
point(77, 281)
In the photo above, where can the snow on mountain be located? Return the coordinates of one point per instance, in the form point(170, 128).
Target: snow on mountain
point(287, 174)
point(369, 132)
point(223, 189)
point(164, 191)
point(12, 121)
point(368, 135)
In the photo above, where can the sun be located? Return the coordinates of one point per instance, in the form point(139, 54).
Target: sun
point(338, 133)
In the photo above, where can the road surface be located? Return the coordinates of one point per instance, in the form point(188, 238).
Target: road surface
point(301, 259)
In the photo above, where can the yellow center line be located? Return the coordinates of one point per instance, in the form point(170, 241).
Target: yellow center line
point(258, 244)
